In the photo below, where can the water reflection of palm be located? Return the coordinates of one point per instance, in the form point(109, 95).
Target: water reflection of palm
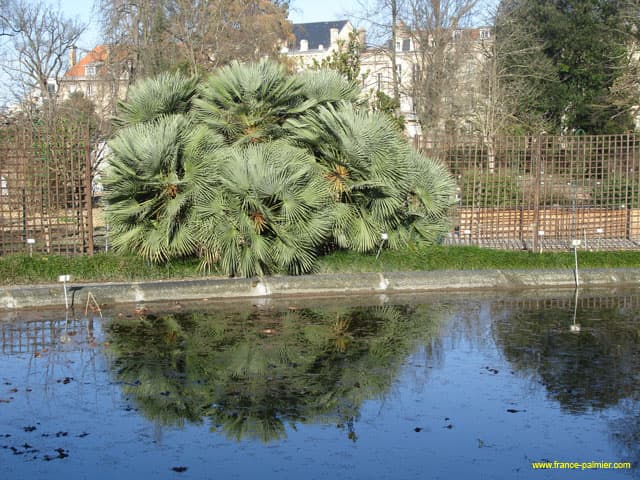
point(250, 375)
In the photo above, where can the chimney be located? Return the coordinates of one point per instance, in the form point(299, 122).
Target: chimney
point(72, 55)
point(333, 35)
point(362, 37)
point(304, 45)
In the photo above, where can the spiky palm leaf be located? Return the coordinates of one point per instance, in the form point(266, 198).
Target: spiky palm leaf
point(169, 93)
point(430, 200)
point(156, 171)
point(269, 212)
point(366, 166)
point(248, 103)
point(329, 87)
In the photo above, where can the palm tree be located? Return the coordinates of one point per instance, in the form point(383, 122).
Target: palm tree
point(268, 212)
point(156, 171)
point(366, 164)
point(250, 103)
point(429, 201)
point(169, 93)
point(257, 171)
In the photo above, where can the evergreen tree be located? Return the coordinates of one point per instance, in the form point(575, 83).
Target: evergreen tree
point(587, 43)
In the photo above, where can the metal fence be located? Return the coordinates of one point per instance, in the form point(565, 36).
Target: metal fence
point(544, 192)
point(45, 189)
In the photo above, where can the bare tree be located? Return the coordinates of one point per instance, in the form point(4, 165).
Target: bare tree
point(35, 55)
point(512, 71)
point(154, 35)
point(444, 47)
point(384, 19)
point(136, 33)
point(7, 28)
point(427, 38)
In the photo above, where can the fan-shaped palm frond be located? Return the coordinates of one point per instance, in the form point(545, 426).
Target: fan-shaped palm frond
point(366, 165)
point(248, 103)
point(168, 93)
point(429, 200)
point(269, 212)
point(156, 170)
point(329, 87)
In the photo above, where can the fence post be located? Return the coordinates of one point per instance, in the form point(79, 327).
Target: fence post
point(24, 215)
point(537, 164)
point(88, 176)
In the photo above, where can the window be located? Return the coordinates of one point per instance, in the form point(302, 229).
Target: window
point(398, 46)
point(484, 34)
point(90, 70)
point(89, 90)
point(399, 71)
point(379, 81)
point(417, 74)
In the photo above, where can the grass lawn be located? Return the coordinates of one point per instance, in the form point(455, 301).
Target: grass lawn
point(21, 269)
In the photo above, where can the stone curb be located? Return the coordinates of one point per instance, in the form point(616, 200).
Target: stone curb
point(48, 296)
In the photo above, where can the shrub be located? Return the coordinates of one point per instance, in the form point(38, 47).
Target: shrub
point(256, 171)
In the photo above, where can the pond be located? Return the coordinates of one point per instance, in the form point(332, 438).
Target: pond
point(481, 386)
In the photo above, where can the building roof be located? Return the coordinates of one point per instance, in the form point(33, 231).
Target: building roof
point(316, 33)
point(98, 55)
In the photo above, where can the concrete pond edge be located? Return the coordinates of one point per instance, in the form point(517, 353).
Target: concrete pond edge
point(52, 296)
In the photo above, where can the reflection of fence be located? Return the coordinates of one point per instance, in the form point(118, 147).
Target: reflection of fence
point(585, 301)
point(538, 192)
point(42, 335)
point(45, 189)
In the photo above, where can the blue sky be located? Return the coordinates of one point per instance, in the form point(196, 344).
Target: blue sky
point(301, 11)
point(320, 10)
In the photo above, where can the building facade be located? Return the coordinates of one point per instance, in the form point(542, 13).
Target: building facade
point(94, 77)
point(459, 54)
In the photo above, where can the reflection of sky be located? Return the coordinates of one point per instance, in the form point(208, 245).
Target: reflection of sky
point(467, 385)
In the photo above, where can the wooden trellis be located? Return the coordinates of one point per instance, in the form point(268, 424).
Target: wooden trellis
point(45, 189)
point(544, 192)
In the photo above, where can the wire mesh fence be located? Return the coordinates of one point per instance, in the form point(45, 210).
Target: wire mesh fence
point(45, 189)
point(544, 192)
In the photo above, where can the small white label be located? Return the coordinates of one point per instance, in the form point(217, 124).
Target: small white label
point(576, 243)
point(31, 241)
point(541, 233)
point(64, 278)
point(467, 232)
point(599, 230)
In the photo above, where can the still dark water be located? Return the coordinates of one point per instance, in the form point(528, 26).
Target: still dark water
point(459, 387)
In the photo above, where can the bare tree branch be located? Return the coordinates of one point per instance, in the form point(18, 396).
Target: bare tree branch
point(36, 54)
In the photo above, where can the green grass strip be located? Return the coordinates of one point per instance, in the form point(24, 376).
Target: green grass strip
point(22, 269)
